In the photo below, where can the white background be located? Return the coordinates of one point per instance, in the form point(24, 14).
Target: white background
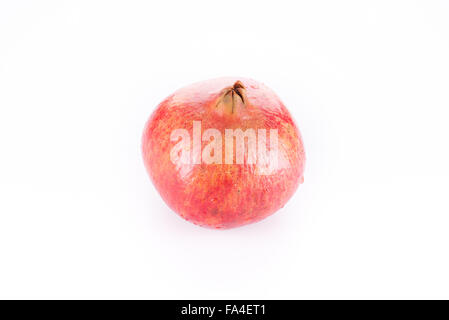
point(367, 82)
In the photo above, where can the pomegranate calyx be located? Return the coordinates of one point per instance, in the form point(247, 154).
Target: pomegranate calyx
point(232, 98)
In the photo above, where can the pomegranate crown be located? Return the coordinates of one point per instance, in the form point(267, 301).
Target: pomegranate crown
point(232, 99)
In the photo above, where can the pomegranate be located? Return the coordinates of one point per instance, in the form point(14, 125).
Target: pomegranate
point(224, 152)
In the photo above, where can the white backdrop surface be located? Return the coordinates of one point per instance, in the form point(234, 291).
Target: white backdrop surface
point(367, 82)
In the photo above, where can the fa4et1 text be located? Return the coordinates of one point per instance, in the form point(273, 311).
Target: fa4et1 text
point(229, 309)
point(245, 309)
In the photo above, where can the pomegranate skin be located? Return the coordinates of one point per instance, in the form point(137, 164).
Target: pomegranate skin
point(223, 195)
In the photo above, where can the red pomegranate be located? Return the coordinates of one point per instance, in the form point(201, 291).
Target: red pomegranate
point(224, 152)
